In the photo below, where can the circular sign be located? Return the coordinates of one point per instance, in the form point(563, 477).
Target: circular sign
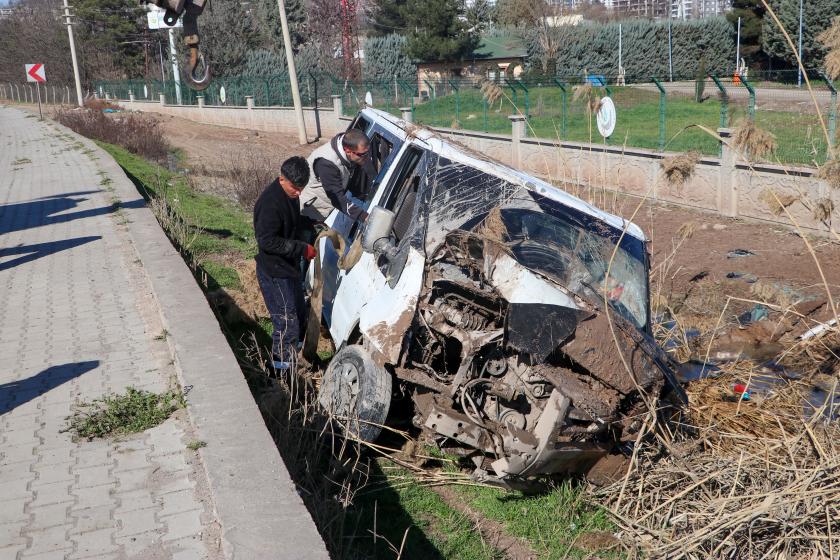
point(146, 92)
point(606, 117)
point(222, 96)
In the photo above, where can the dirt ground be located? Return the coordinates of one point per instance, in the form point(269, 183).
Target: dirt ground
point(206, 144)
point(779, 256)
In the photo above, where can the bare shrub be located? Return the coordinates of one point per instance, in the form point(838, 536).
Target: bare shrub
point(138, 134)
point(241, 176)
point(100, 104)
point(679, 169)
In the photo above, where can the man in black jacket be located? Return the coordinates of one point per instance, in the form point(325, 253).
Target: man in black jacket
point(277, 229)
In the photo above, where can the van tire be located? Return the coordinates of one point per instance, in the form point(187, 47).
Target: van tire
point(356, 392)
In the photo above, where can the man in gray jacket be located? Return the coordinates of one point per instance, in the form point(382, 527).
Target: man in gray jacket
point(332, 166)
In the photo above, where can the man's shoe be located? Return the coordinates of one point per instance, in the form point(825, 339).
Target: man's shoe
point(280, 365)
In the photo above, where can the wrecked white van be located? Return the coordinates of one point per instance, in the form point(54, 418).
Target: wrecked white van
point(482, 294)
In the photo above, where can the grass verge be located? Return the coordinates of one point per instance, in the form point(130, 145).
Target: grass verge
point(128, 413)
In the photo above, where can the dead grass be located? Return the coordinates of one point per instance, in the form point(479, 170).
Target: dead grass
point(830, 173)
point(679, 169)
point(753, 141)
point(815, 355)
point(822, 209)
point(777, 201)
point(752, 478)
point(100, 104)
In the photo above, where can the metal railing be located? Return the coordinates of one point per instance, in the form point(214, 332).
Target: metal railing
point(652, 113)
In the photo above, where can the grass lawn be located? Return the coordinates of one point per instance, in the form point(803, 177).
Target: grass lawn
point(799, 136)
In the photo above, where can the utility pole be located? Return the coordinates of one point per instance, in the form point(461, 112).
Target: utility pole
point(670, 52)
point(738, 48)
point(290, 64)
point(73, 54)
point(799, 66)
point(176, 75)
point(160, 57)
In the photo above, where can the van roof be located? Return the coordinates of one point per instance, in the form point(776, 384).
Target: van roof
point(460, 154)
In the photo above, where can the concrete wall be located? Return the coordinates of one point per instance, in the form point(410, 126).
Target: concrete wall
point(320, 122)
point(728, 185)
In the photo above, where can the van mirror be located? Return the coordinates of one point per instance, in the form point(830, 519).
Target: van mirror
point(377, 235)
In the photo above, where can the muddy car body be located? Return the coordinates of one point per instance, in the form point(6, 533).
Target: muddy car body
point(481, 294)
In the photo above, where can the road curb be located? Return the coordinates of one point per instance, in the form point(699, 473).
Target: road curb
point(260, 512)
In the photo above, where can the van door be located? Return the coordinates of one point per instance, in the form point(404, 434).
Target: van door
point(384, 150)
point(371, 294)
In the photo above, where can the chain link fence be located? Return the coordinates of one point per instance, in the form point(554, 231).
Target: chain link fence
point(676, 115)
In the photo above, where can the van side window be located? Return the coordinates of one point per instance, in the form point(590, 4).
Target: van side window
point(361, 123)
point(362, 178)
point(403, 194)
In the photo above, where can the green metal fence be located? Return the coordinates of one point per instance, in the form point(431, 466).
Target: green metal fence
point(652, 113)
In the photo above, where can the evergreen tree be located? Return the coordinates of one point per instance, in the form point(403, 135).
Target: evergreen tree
point(817, 15)
point(227, 36)
point(385, 59)
point(264, 62)
point(478, 16)
point(751, 13)
point(267, 23)
point(436, 31)
point(387, 16)
point(108, 35)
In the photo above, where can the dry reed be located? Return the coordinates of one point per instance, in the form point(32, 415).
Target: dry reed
point(678, 169)
point(776, 201)
point(752, 140)
point(830, 38)
point(830, 173)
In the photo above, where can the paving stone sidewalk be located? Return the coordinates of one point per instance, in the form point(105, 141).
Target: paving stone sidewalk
point(77, 321)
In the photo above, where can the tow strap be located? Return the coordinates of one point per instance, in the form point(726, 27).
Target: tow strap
point(316, 303)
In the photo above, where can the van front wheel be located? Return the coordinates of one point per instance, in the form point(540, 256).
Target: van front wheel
point(356, 393)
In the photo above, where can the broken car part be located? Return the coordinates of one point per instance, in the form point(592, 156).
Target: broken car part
point(514, 314)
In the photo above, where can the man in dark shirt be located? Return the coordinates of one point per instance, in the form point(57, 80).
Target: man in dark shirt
point(276, 225)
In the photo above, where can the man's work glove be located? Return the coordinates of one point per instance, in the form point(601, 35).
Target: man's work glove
point(309, 252)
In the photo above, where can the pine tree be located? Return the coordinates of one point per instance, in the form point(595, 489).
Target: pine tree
point(437, 32)
point(267, 23)
point(387, 16)
point(107, 37)
point(817, 16)
point(478, 15)
point(751, 13)
point(227, 36)
point(385, 59)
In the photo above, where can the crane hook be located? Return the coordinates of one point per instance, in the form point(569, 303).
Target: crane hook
point(197, 71)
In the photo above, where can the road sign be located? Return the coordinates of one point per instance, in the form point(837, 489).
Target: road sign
point(155, 17)
point(36, 73)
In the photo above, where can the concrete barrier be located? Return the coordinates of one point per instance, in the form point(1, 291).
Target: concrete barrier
point(320, 122)
point(729, 185)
